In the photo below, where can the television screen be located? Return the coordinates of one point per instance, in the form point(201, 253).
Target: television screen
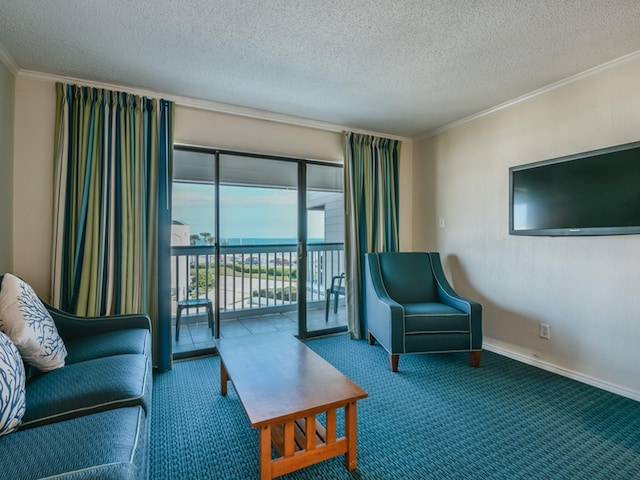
point(592, 193)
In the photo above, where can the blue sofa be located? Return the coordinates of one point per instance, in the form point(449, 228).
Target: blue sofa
point(89, 419)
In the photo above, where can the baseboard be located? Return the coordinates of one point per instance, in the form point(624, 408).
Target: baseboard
point(502, 349)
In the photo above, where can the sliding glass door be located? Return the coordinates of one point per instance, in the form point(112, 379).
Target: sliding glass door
point(258, 246)
point(262, 239)
point(326, 283)
point(193, 245)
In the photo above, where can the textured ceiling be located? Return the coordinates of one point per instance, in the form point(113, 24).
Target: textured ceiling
point(396, 67)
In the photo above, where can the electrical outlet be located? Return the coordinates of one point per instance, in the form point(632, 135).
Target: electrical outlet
point(545, 330)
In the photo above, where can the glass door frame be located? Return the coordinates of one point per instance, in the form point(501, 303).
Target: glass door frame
point(303, 331)
point(302, 251)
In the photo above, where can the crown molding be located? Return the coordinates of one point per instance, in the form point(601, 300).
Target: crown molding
point(8, 60)
point(264, 115)
point(209, 105)
point(631, 57)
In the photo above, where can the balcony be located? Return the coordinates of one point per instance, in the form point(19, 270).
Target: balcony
point(257, 288)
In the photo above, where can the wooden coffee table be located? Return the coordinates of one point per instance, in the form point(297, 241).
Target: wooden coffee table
point(283, 385)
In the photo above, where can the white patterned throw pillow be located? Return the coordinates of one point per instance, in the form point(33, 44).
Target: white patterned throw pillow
point(29, 325)
point(12, 390)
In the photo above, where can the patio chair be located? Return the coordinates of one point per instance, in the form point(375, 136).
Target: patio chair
point(336, 290)
point(412, 308)
point(193, 303)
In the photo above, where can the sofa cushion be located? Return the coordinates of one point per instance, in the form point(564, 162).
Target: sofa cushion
point(88, 387)
point(12, 386)
point(118, 342)
point(26, 321)
point(109, 445)
point(434, 317)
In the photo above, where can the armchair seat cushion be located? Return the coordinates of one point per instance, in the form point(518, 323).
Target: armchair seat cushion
point(441, 342)
point(432, 317)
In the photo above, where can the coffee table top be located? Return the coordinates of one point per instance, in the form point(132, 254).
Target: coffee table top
point(278, 378)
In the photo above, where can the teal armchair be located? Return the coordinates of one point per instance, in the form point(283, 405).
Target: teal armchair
point(412, 308)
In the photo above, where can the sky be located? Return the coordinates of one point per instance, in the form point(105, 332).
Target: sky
point(247, 212)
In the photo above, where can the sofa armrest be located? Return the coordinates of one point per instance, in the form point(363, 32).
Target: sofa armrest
point(73, 326)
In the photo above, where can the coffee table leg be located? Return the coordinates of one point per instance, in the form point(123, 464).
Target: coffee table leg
point(265, 452)
point(224, 378)
point(351, 432)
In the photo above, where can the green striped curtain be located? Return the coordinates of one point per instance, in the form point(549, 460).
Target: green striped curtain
point(371, 203)
point(113, 170)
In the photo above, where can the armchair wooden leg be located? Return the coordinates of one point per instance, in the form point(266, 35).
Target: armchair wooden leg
point(475, 358)
point(393, 359)
point(372, 339)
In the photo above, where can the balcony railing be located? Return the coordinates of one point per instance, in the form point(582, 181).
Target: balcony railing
point(251, 278)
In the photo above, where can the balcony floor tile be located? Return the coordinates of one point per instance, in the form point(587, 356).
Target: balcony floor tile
point(195, 333)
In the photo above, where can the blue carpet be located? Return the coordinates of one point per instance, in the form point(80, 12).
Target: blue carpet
point(436, 418)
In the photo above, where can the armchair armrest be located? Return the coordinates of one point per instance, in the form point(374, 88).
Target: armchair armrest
point(73, 326)
point(446, 293)
point(449, 296)
point(385, 316)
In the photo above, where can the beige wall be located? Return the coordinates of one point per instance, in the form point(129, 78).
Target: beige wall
point(33, 165)
point(7, 100)
point(33, 182)
point(586, 288)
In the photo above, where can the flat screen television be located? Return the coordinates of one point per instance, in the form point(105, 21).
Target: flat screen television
point(590, 193)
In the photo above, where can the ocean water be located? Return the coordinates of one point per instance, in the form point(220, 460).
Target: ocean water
point(262, 241)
